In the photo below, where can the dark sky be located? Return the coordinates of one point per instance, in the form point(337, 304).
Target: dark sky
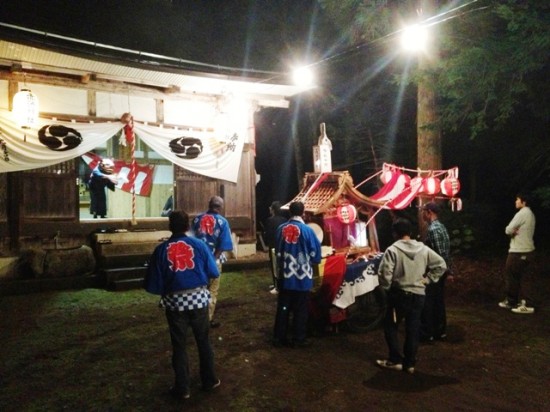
point(257, 34)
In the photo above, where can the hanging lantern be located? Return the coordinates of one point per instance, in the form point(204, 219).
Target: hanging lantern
point(450, 186)
point(386, 176)
point(404, 180)
point(25, 108)
point(346, 213)
point(431, 186)
point(387, 173)
point(456, 204)
point(416, 184)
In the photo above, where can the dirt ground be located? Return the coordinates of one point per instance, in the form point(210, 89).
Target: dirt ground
point(94, 350)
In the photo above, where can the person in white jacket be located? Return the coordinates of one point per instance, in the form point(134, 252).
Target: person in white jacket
point(520, 254)
point(406, 268)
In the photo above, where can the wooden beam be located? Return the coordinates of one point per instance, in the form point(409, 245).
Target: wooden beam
point(77, 82)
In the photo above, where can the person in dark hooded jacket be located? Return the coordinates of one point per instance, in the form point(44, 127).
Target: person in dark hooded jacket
point(406, 268)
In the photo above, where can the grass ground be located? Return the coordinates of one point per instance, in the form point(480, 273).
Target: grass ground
point(93, 350)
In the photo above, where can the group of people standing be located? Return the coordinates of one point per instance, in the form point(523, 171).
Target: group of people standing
point(185, 271)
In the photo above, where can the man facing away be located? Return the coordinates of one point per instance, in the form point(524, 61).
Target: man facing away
point(212, 228)
point(406, 267)
point(298, 249)
point(521, 230)
point(434, 315)
point(179, 270)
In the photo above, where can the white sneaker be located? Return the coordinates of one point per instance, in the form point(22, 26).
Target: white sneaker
point(386, 364)
point(522, 309)
point(504, 304)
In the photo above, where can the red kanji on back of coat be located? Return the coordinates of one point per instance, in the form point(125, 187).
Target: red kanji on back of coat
point(180, 256)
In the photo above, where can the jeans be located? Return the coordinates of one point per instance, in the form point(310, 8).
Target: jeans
point(408, 306)
point(198, 321)
point(296, 303)
point(434, 314)
point(516, 266)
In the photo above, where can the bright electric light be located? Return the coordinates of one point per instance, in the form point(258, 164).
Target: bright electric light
point(303, 76)
point(414, 38)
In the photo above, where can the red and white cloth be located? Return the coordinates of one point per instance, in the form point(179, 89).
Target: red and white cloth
point(143, 174)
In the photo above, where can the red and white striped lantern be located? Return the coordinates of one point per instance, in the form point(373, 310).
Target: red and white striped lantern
point(431, 186)
point(450, 186)
point(416, 184)
point(346, 213)
point(386, 175)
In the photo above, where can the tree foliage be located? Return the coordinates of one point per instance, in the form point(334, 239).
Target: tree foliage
point(492, 54)
point(491, 63)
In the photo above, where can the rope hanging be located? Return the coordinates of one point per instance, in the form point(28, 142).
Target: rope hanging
point(130, 136)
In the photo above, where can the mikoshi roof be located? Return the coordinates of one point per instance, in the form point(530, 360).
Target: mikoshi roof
point(323, 191)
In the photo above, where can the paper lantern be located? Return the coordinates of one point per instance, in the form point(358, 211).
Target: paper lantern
point(25, 108)
point(386, 176)
point(404, 180)
point(416, 184)
point(346, 214)
point(450, 186)
point(431, 186)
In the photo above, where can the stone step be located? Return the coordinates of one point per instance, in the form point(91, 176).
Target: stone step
point(127, 284)
point(120, 274)
point(122, 261)
point(132, 237)
point(126, 248)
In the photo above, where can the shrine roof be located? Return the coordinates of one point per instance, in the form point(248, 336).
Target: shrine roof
point(322, 191)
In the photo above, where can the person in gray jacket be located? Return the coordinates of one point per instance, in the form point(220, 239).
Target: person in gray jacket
point(521, 230)
point(406, 268)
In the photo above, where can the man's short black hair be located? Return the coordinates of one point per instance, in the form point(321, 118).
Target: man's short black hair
point(178, 221)
point(296, 209)
point(402, 227)
point(526, 198)
point(432, 207)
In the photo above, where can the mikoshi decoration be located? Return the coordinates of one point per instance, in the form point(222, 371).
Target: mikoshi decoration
point(130, 140)
point(346, 213)
point(400, 189)
point(25, 109)
point(322, 160)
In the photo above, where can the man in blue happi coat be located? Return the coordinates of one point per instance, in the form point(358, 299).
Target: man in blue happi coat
point(298, 249)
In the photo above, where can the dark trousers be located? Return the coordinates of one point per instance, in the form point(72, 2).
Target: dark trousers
point(434, 314)
point(516, 266)
point(178, 323)
point(296, 303)
point(407, 306)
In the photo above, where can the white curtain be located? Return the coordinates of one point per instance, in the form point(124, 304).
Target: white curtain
point(212, 155)
point(22, 149)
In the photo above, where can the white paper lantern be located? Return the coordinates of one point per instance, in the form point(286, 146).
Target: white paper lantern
point(25, 108)
point(346, 214)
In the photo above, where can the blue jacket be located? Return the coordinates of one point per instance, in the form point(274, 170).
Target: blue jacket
point(181, 262)
point(214, 230)
point(298, 249)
